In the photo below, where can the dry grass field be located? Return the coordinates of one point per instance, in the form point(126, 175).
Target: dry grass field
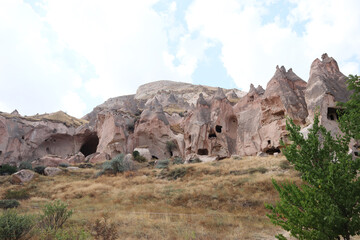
point(218, 200)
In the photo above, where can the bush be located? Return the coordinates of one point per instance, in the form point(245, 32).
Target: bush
point(196, 160)
point(20, 194)
point(63, 165)
point(118, 165)
point(40, 170)
point(25, 165)
point(86, 165)
point(7, 169)
point(103, 229)
point(55, 215)
point(176, 173)
point(162, 163)
point(137, 157)
point(178, 160)
point(9, 203)
point(14, 226)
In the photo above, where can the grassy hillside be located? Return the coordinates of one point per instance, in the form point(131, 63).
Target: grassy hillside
point(218, 200)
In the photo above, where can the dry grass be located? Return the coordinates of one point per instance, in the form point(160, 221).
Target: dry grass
point(208, 202)
point(59, 116)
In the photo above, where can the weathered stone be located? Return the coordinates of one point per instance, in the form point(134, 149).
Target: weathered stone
point(52, 171)
point(77, 158)
point(49, 161)
point(22, 176)
point(144, 152)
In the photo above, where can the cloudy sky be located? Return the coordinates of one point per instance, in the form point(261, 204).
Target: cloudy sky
point(74, 54)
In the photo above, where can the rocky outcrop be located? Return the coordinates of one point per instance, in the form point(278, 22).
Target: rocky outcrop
point(326, 86)
point(179, 119)
point(22, 176)
point(52, 171)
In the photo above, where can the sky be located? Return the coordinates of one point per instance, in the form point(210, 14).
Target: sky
point(72, 55)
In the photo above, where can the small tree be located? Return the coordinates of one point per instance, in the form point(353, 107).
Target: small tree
point(349, 115)
point(326, 206)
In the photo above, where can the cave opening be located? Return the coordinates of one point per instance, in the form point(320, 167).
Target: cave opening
point(218, 128)
point(212, 135)
point(90, 145)
point(332, 114)
point(154, 157)
point(202, 151)
point(273, 150)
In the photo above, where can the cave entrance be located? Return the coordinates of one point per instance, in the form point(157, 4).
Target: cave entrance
point(90, 145)
point(273, 150)
point(332, 114)
point(202, 151)
point(218, 128)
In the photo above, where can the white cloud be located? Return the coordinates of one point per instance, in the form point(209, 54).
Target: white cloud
point(73, 104)
point(251, 49)
point(125, 42)
point(32, 80)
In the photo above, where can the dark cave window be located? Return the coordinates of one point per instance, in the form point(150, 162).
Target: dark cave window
point(269, 142)
point(0, 153)
point(218, 128)
point(90, 145)
point(23, 137)
point(251, 98)
point(273, 150)
point(203, 151)
point(154, 157)
point(212, 135)
point(332, 114)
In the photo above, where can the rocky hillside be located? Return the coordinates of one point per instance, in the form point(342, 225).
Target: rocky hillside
point(165, 119)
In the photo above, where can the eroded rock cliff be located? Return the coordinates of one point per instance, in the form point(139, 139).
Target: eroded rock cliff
point(196, 121)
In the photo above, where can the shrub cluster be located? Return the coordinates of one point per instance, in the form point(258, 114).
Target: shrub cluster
point(162, 163)
point(9, 203)
point(14, 226)
point(7, 169)
point(20, 194)
point(137, 157)
point(40, 170)
point(117, 165)
point(178, 160)
point(25, 165)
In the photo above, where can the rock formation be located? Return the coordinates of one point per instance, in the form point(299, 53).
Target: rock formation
point(196, 121)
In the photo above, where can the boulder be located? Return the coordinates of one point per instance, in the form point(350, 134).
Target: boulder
point(98, 158)
point(52, 171)
point(49, 161)
point(144, 152)
point(22, 176)
point(77, 158)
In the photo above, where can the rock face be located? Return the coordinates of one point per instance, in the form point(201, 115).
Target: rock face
point(326, 86)
point(166, 119)
point(22, 176)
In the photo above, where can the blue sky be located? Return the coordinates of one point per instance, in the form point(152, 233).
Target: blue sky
point(72, 55)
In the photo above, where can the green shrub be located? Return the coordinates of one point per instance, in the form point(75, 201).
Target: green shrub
point(14, 226)
point(118, 165)
point(64, 165)
point(9, 203)
point(140, 159)
point(135, 154)
point(177, 173)
point(7, 169)
point(55, 214)
point(20, 194)
point(178, 160)
point(196, 160)
point(86, 165)
point(162, 163)
point(25, 165)
point(40, 170)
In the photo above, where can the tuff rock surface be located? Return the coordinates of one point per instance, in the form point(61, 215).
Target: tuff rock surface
point(196, 121)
